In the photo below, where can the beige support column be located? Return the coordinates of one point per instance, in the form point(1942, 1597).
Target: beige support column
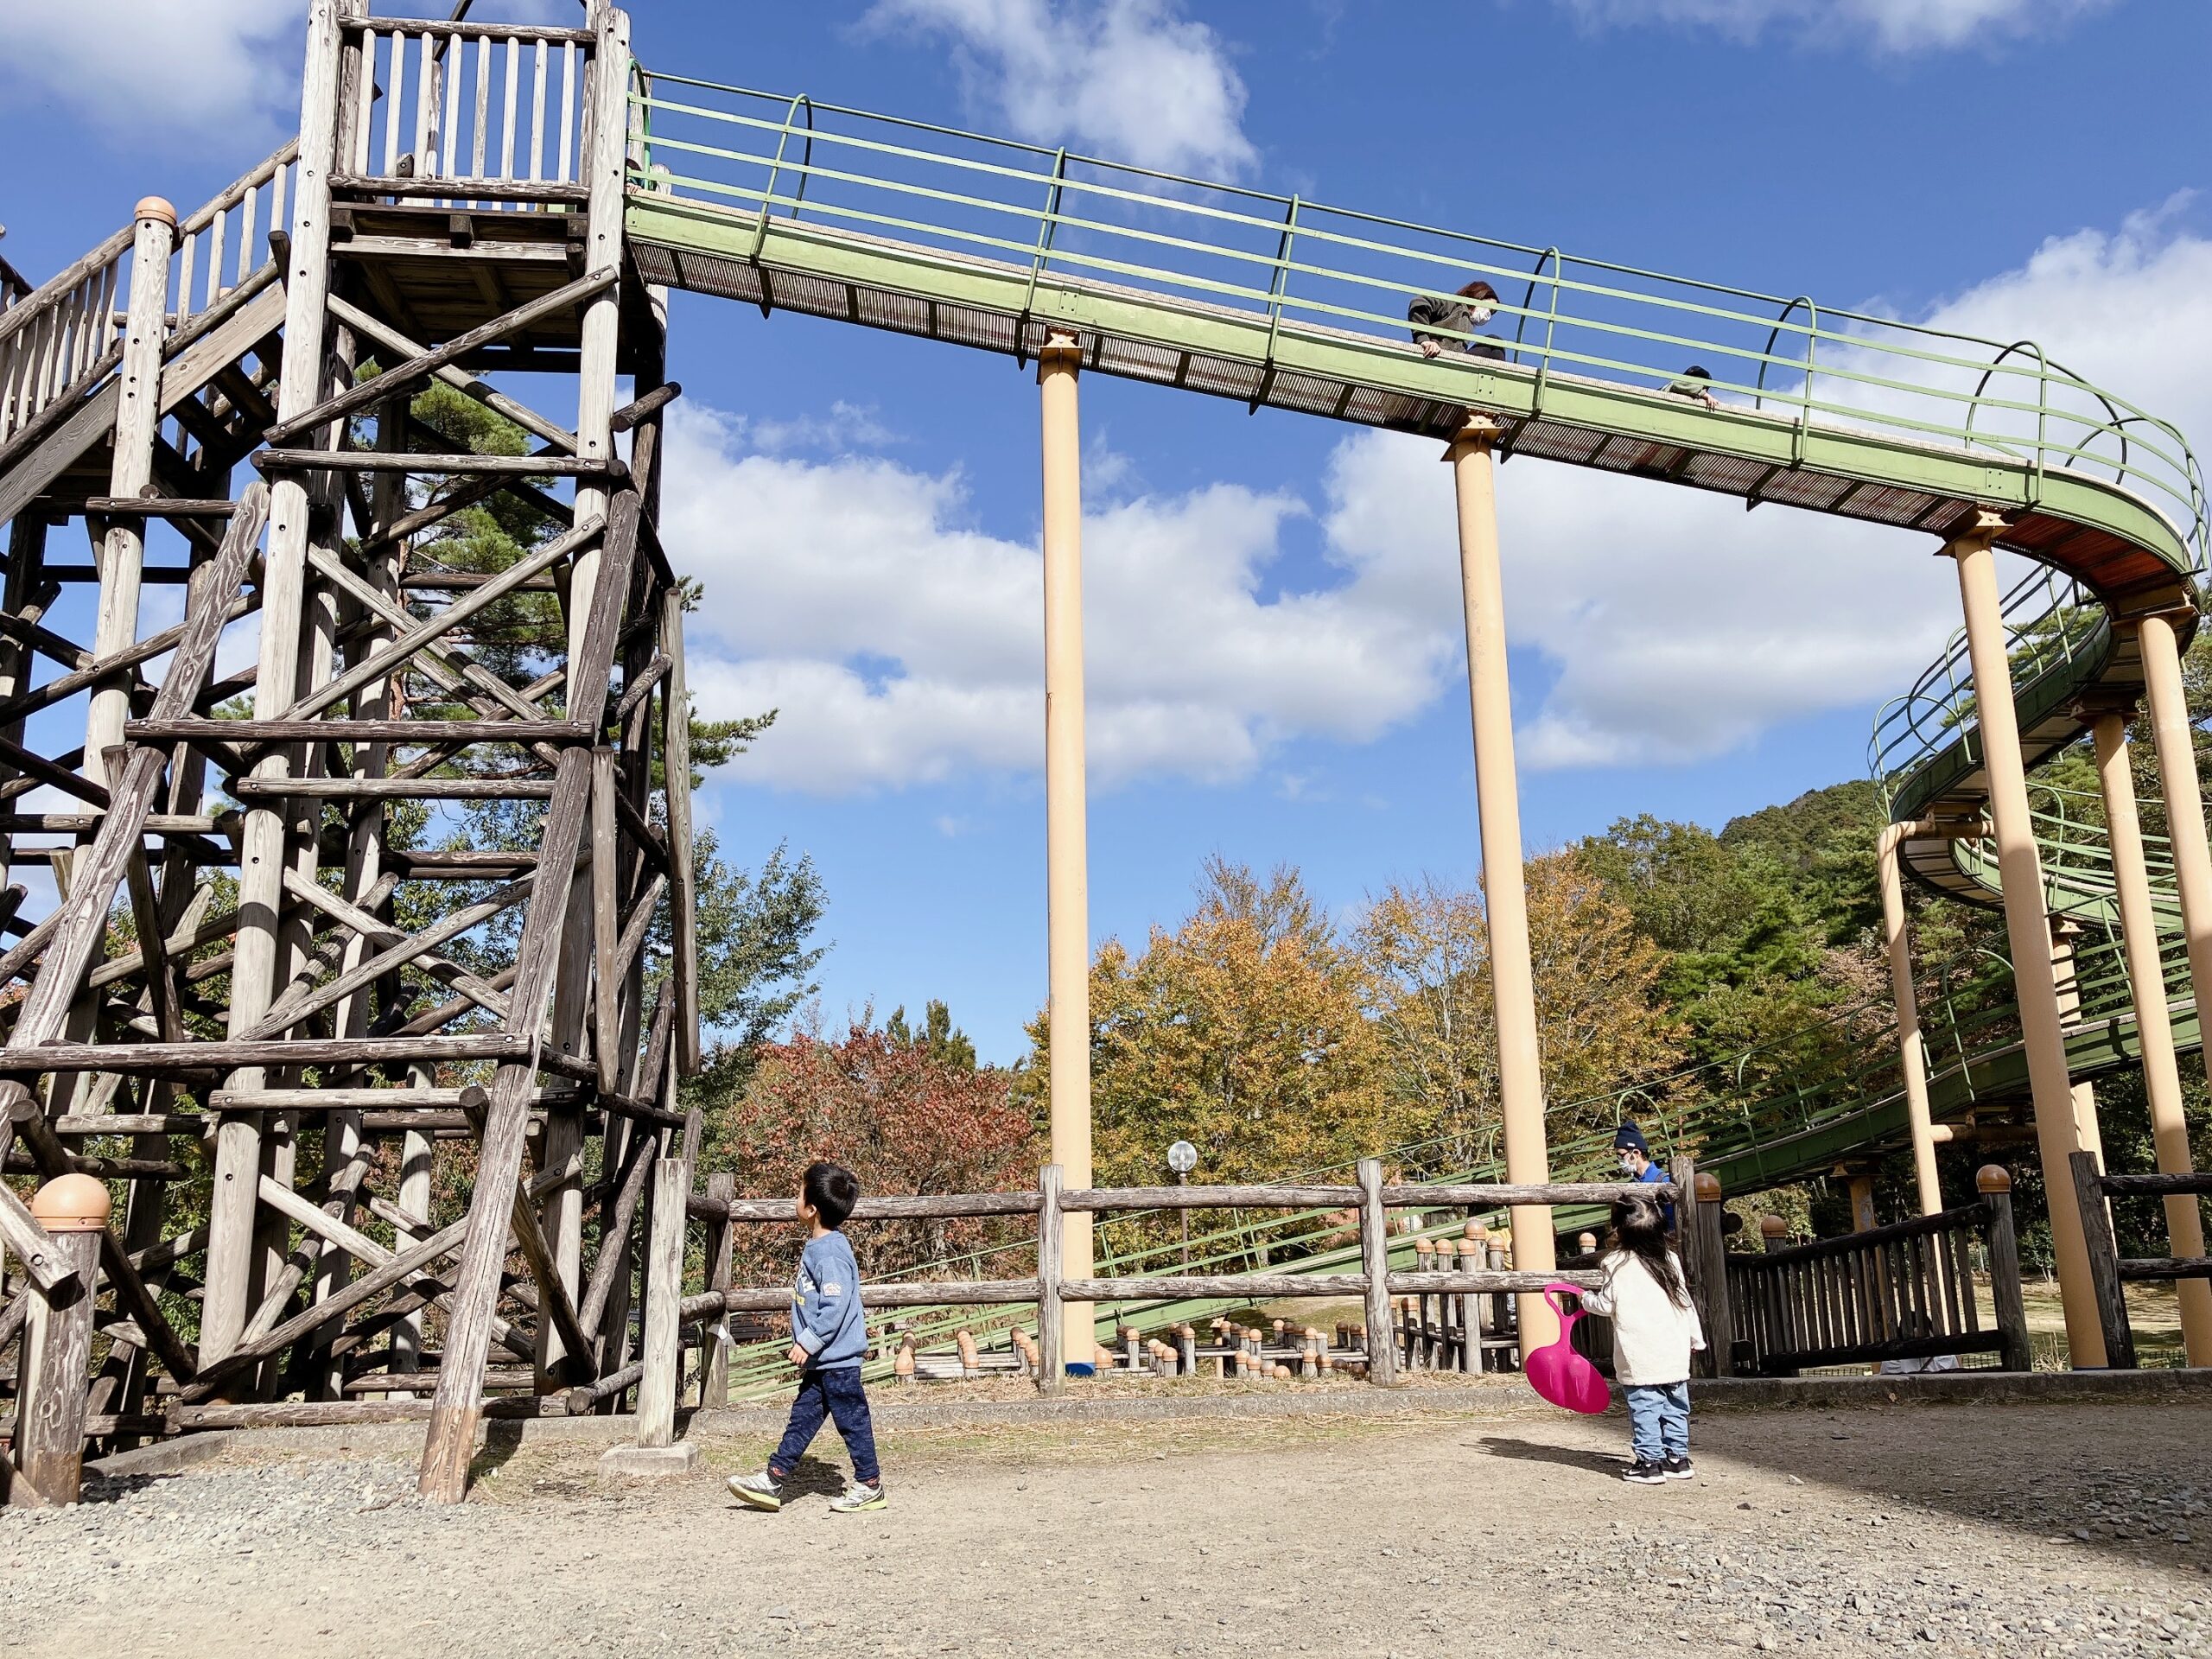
point(1505, 897)
point(2026, 926)
point(2154, 1026)
point(2175, 738)
point(1862, 1202)
point(1066, 842)
point(1912, 1048)
point(2063, 932)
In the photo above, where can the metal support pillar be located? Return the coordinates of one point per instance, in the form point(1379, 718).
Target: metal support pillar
point(1066, 843)
point(2026, 927)
point(1912, 1046)
point(1504, 892)
point(2063, 973)
point(2147, 981)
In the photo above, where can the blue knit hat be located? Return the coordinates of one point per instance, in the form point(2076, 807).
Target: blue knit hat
point(1629, 1138)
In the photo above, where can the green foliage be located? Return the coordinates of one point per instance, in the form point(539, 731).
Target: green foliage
point(944, 1042)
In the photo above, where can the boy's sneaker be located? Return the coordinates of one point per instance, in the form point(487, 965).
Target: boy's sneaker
point(1681, 1469)
point(1641, 1473)
point(762, 1491)
point(861, 1495)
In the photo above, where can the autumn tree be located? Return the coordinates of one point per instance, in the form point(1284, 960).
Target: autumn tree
point(1240, 1031)
point(1602, 1024)
point(902, 1114)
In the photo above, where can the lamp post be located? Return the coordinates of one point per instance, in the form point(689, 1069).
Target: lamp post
point(1182, 1157)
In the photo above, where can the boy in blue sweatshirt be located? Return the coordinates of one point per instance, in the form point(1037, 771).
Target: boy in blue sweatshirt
point(829, 1341)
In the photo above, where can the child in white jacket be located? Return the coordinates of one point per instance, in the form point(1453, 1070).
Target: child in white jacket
point(1654, 1329)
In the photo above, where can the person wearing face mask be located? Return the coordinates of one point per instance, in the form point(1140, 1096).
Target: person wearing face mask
point(1634, 1154)
point(1474, 306)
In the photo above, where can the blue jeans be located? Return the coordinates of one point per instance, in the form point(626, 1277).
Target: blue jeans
point(1658, 1421)
point(835, 1394)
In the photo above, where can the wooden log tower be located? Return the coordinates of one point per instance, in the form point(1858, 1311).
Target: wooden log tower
point(266, 967)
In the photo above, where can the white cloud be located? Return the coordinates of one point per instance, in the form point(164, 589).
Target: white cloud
point(2130, 310)
point(905, 647)
point(1894, 26)
point(205, 67)
point(1133, 80)
point(1679, 627)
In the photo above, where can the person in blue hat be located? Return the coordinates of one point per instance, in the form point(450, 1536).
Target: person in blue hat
point(1636, 1163)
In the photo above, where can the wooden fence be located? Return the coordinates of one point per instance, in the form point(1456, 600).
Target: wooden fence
point(1901, 1292)
point(2109, 1271)
point(1419, 1321)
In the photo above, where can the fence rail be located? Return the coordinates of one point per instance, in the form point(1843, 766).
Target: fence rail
point(66, 336)
point(1430, 1287)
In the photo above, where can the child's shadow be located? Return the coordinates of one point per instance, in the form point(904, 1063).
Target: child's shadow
point(812, 1478)
point(1535, 1451)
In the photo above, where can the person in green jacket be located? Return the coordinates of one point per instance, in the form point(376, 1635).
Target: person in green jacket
point(1474, 306)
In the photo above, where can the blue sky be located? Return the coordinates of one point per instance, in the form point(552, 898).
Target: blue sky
point(864, 508)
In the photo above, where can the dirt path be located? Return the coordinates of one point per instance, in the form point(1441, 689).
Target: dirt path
point(2027, 1530)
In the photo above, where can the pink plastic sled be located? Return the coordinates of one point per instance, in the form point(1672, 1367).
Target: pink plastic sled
point(1561, 1375)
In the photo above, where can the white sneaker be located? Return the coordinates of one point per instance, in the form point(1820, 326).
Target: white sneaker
point(762, 1491)
point(858, 1495)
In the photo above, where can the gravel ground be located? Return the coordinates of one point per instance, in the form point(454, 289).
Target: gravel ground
point(2023, 1529)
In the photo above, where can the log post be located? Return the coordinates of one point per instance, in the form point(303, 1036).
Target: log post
point(1995, 1183)
point(2104, 1259)
point(657, 1388)
point(1051, 1367)
point(49, 1462)
point(1374, 1262)
point(1719, 1311)
point(713, 1375)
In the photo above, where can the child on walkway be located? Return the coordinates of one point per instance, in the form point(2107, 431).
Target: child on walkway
point(829, 1341)
point(1654, 1329)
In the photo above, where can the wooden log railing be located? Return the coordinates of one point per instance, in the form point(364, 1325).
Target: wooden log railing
point(66, 336)
point(1427, 1283)
point(2109, 1271)
point(1901, 1292)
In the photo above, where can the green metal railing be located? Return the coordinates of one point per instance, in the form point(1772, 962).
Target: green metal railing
point(2053, 626)
point(797, 166)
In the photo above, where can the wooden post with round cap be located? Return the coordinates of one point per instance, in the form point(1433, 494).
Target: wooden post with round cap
point(1995, 1183)
point(47, 1464)
point(1702, 1236)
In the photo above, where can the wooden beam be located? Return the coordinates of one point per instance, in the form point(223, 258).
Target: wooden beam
point(610, 469)
point(100, 869)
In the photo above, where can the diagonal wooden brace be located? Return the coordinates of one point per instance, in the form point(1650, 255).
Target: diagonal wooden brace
point(459, 379)
point(399, 956)
point(412, 370)
point(388, 660)
point(376, 931)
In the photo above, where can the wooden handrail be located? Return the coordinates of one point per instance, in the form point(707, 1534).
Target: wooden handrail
point(1872, 1237)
